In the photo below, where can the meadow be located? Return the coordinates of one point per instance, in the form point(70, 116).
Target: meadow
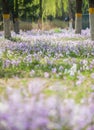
point(47, 80)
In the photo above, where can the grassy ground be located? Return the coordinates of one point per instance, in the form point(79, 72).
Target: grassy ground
point(64, 88)
point(51, 70)
point(47, 25)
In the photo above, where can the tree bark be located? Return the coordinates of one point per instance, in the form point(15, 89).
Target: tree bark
point(70, 16)
point(40, 21)
point(6, 19)
point(15, 17)
point(70, 11)
point(91, 18)
point(78, 19)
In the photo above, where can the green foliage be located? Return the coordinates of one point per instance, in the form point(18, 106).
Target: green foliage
point(29, 9)
point(65, 2)
point(85, 6)
point(57, 30)
point(16, 39)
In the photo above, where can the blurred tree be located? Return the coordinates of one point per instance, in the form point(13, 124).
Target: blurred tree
point(91, 16)
point(85, 6)
point(41, 9)
point(78, 19)
point(16, 17)
point(13, 5)
point(40, 21)
point(6, 18)
point(28, 10)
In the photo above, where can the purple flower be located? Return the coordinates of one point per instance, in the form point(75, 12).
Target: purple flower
point(54, 70)
point(91, 127)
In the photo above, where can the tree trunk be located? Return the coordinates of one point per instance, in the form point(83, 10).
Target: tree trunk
point(15, 17)
point(25, 9)
point(40, 22)
point(6, 19)
point(78, 19)
point(70, 16)
point(91, 18)
point(70, 10)
point(57, 8)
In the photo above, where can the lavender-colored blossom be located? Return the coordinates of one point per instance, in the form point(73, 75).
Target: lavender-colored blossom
point(6, 63)
point(26, 108)
point(80, 79)
point(54, 70)
point(91, 127)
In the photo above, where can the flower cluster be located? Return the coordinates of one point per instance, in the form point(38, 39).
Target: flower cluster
point(28, 109)
point(46, 52)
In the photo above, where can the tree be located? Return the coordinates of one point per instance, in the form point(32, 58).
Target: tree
point(91, 17)
point(15, 17)
point(40, 21)
point(6, 18)
point(51, 7)
point(78, 19)
point(13, 5)
point(85, 6)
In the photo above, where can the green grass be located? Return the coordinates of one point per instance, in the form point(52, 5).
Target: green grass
point(64, 88)
point(47, 25)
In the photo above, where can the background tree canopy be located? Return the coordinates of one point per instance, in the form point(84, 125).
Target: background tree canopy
point(30, 9)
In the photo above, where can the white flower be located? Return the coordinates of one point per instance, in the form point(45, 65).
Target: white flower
point(92, 75)
point(3, 107)
point(73, 70)
point(32, 72)
point(46, 75)
point(92, 87)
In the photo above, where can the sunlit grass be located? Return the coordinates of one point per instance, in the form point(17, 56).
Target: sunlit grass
point(57, 83)
point(64, 88)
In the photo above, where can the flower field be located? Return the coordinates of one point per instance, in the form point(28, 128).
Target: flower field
point(47, 81)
